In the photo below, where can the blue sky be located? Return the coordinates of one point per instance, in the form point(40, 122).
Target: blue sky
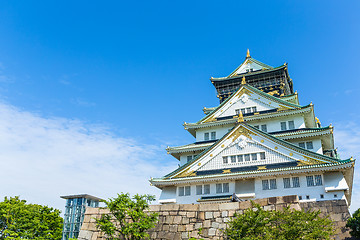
point(89, 87)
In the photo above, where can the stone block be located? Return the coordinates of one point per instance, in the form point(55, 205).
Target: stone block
point(189, 207)
point(295, 206)
point(231, 213)
point(154, 208)
point(173, 228)
point(245, 205)
point(169, 207)
point(229, 206)
point(85, 235)
point(184, 235)
point(191, 214)
point(194, 235)
point(85, 226)
point(219, 220)
point(185, 220)
point(207, 223)
point(208, 215)
point(291, 199)
point(201, 215)
point(216, 214)
point(272, 200)
point(209, 207)
point(215, 225)
point(95, 236)
point(169, 219)
point(173, 213)
point(103, 211)
point(198, 225)
point(222, 226)
point(177, 219)
point(165, 213)
point(189, 227)
point(92, 226)
point(211, 231)
point(269, 207)
point(181, 228)
point(87, 218)
point(226, 220)
point(153, 235)
point(224, 213)
point(183, 213)
point(177, 236)
point(166, 227)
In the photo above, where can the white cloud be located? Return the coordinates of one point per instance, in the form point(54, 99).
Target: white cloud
point(347, 139)
point(41, 159)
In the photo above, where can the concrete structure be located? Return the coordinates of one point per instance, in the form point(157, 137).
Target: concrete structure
point(258, 143)
point(74, 213)
point(182, 221)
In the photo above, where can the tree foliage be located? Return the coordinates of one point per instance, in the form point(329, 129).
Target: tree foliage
point(257, 223)
point(354, 224)
point(19, 220)
point(127, 218)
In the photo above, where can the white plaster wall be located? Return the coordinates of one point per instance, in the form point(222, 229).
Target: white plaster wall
point(317, 146)
point(314, 192)
point(220, 132)
point(274, 125)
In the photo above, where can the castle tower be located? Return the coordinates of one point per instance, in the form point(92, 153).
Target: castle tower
point(258, 143)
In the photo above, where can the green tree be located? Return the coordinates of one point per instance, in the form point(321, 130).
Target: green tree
point(257, 223)
point(19, 220)
point(127, 218)
point(354, 224)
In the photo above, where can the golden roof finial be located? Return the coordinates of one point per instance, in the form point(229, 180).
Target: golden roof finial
point(243, 80)
point(248, 53)
point(240, 117)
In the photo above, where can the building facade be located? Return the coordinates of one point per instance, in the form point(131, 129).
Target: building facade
point(258, 143)
point(74, 213)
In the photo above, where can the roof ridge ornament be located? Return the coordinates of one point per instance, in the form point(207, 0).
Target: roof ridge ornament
point(240, 118)
point(248, 54)
point(243, 81)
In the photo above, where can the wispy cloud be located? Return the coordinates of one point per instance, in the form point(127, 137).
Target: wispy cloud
point(43, 158)
point(347, 139)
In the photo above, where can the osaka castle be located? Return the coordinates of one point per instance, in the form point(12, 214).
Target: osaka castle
point(258, 142)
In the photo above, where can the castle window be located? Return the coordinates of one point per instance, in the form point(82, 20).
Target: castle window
point(187, 191)
point(189, 158)
point(198, 189)
point(310, 181)
point(307, 197)
point(256, 126)
point(296, 182)
point(237, 111)
point(283, 126)
point(243, 111)
point(240, 158)
point(302, 145)
point(206, 136)
point(321, 195)
point(253, 156)
point(264, 128)
point(248, 110)
point(226, 188)
point(335, 195)
point(300, 197)
point(262, 155)
point(225, 159)
point(267, 186)
point(253, 109)
point(318, 180)
point(207, 189)
point(181, 191)
point(247, 157)
point(233, 159)
point(213, 135)
point(222, 188)
point(309, 145)
point(291, 124)
point(286, 182)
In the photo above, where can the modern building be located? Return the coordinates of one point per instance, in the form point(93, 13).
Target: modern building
point(74, 213)
point(258, 142)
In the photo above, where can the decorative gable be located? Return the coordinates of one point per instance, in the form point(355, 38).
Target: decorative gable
point(245, 140)
point(247, 100)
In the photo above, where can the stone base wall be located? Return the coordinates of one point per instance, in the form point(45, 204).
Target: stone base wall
point(182, 221)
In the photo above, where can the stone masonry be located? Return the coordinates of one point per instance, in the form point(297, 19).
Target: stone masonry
point(182, 221)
